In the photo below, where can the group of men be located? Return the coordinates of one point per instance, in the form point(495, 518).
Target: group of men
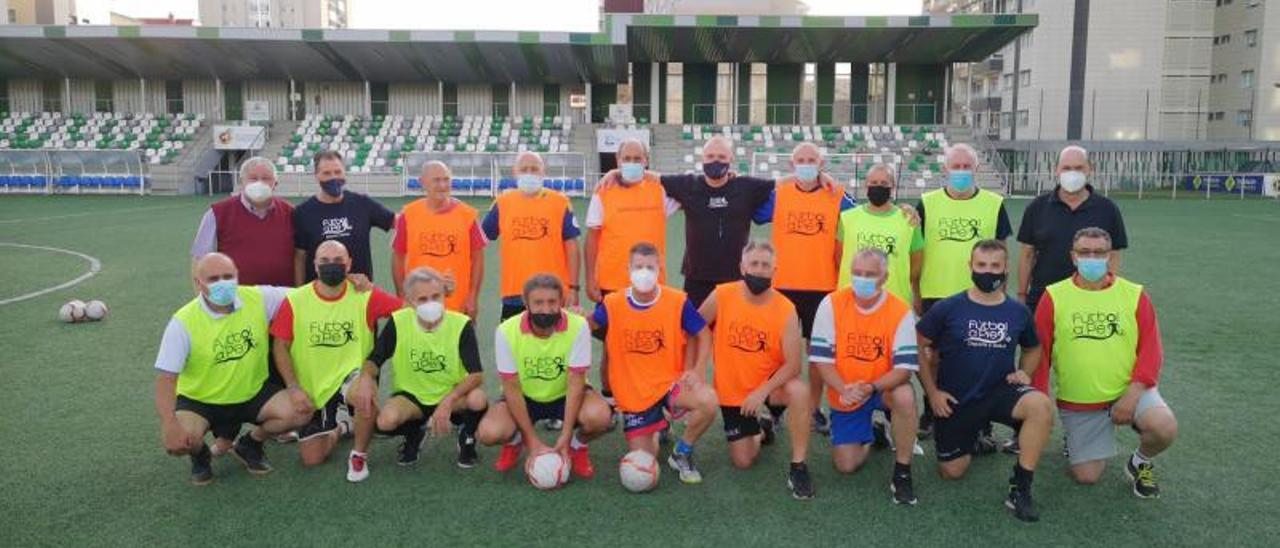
point(283, 334)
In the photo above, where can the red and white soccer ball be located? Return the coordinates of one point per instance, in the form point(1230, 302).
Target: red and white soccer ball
point(638, 471)
point(72, 312)
point(546, 470)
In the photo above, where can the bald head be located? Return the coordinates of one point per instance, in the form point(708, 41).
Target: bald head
point(961, 156)
point(1074, 158)
point(529, 162)
point(331, 251)
point(212, 268)
point(718, 149)
point(436, 179)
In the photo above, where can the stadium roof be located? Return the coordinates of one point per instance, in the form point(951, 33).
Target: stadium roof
point(237, 54)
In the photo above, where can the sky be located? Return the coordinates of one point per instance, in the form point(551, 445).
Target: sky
point(562, 15)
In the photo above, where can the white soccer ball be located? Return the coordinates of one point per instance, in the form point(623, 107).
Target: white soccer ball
point(638, 471)
point(547, 470)
point(95, 310)
point(72, 312)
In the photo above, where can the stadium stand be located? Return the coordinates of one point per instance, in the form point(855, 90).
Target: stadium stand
point(160, 137)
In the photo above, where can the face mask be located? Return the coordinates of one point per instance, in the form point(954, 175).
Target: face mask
point(223, 292)
point(757, 284)
point(988, 282)
point(643, 279)
point(544, 320)
point(960, 180)
point(257, 191)
point(715, 170)
point(430, 311)
point(878, 195)
point(807, 172)
point(1072, 181)
point(333, 187)
point(864, 288)
point(529, 183)
point(1092, 269)
point(632, 172)
point(332, 274)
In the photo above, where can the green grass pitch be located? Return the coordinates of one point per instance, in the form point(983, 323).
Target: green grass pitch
point(82, 462)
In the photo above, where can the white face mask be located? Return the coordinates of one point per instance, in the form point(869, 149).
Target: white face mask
point(1072, 181)
point(643, 279)
point(257, 191)
point(529, 183)
point(430, 311)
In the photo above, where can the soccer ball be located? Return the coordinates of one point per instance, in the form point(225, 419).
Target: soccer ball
point(72, 312)
point(547, 470)
point(638, 471)
point(95, 310)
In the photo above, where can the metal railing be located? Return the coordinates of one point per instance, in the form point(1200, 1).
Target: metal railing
point(1174, 184)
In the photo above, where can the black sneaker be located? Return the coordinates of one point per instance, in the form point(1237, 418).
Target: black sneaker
point(986, 444)
point(1019, 502)
point(467, 456)
point(925, 431)
point(766, 428)
point(880, 436)
point(410, 446)
point(554, 425)
point(1144, 479)
point(903, 491)
point(820, 423)
point(202, 466)
point(799, 483)
point(1011, 447)
point(249, 452)
point(664, 435)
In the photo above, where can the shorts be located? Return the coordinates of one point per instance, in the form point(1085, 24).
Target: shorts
point(855, 426)
point(600, 333)
point(738, 426)
point(699, 290)
point(1091, 434)
point(325, 419)
point(225, 419)
point(542, 411)
point(654, 418)
point(510, 310)
point(955, 436)
point(427, 410)
point(806, 303)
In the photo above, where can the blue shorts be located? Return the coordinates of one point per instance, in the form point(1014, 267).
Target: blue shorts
point(855, 426)
point(654, 418)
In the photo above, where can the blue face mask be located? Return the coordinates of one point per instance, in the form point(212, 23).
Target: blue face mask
point(960, 180)
point(632, 172)
point(807, 172)
point(1092, 269)
point(333, 187)
point(864, 288)
point(223, 292)
point(715, 170)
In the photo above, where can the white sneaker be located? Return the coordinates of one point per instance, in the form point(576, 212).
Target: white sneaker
point(345, 425)
point(217, 449)
point(357, 468)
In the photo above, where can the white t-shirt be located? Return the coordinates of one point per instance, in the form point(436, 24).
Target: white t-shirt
point(595, 211)
point(579, 355)
point(175, 345)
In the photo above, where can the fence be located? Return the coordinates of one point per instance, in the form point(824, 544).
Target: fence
point(1175, 185)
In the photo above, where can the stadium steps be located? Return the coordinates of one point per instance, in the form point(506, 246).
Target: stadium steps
point(989, 175)
point(279, 134)
point(584, 140)
point(668, 150)
point(180, 176)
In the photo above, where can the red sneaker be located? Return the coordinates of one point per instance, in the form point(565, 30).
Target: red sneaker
point(509, 457)
point(580, 460)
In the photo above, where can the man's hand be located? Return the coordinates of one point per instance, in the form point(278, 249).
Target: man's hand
point(361, 282)
point(472, 307)
point(692, 379)
point(593, 291)
point(571, 297)
point(913, 216)
point(365, 394)
point(301, 401)
point(855, 393)
point(1122, 410)
point(1018, 377)
point(751, 405)
point(439, 421)
point(536, 445)
point(450, 281)
point(562, 443)
point(177, 440)
point(941, 402)
point(917, 305)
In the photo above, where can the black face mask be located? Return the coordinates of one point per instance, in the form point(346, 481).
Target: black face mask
point(989, 282)
point(544, 320)
point(878, 195)
point(757, 284)
point(332, 274)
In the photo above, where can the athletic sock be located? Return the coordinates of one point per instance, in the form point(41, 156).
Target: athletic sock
point(470, 422)
point(903, 470)
point(1022, 477)
point(360, 454)
point(1138, 459)
point(683, 447)
point(516, 439)
point(576, 443)
point(608, 398)
point(776, 411)
point(796, 465)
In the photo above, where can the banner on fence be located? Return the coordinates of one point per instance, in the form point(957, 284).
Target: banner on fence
point(607, 139)
point(1225, 183)
point(239, 137)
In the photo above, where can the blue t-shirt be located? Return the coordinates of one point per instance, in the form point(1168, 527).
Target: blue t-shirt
point(976, 343)
point(690, 320)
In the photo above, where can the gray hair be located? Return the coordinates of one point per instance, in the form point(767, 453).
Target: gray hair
point(961, 148)
point(806, 144)
point(872, 253)
point(723, 139)
point(1073, 148)
point(436, 163)
point(644, 147)
point(1091, 232)
point(423, 275)
point(886, 168)
point(254, 162)
point(760, 245)
point(542, 281)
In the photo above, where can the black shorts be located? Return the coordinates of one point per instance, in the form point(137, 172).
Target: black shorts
point(955, 436)
point(806, 303)
point(509, 310)
point(736, 425)
point(699, 290)
point(599, 333)
point(225, 420)
point(325, 419)
point(427, 410)
point(1033, 298)
point(543, 411)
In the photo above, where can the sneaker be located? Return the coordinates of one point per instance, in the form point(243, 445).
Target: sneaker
point(467, 456)
point(220, 447)
point(684, 465)
point(767, 428)
point(903, 491)
point(880, 438)
point(1011, 447)
point(799, 483)
point(553, 424)
point(410, 446)
point(357, 468)
point(202, 467)
point(1019, 502)
point(1144, 479)
point(985, 445)
point(925, 431)
point(249, 452)
point(509, 457)
point(580, 460)
point(287, 437)
point(820, 423)
point(343, 417)
point(664, 435)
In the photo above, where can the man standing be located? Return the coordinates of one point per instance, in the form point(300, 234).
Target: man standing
point(543, 356)
point(879, 224)
point(655, 369)
point(212, 371)
point(536, 232)
point(968, 344)
point(335, 213)
point(324, 331)
point(253, 227)
point(757, 350)
point(436, 377)
point(1051, 221)
point(440, 232)
point(1102, 341)
point(864, 346)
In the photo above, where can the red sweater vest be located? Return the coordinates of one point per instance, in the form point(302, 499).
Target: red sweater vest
point(261, 248)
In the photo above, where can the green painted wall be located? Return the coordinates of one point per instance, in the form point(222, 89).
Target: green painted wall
point(641, 100)
point(919, 94)
point(782, 98)
point(699, 93)
point(826, 93)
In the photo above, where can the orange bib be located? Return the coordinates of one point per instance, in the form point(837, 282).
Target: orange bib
point(747, 341)
point(863, 342)
point(804, 235)
point(632, 214)
point(646, 348)
point(441, 241)
point(530, 229)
